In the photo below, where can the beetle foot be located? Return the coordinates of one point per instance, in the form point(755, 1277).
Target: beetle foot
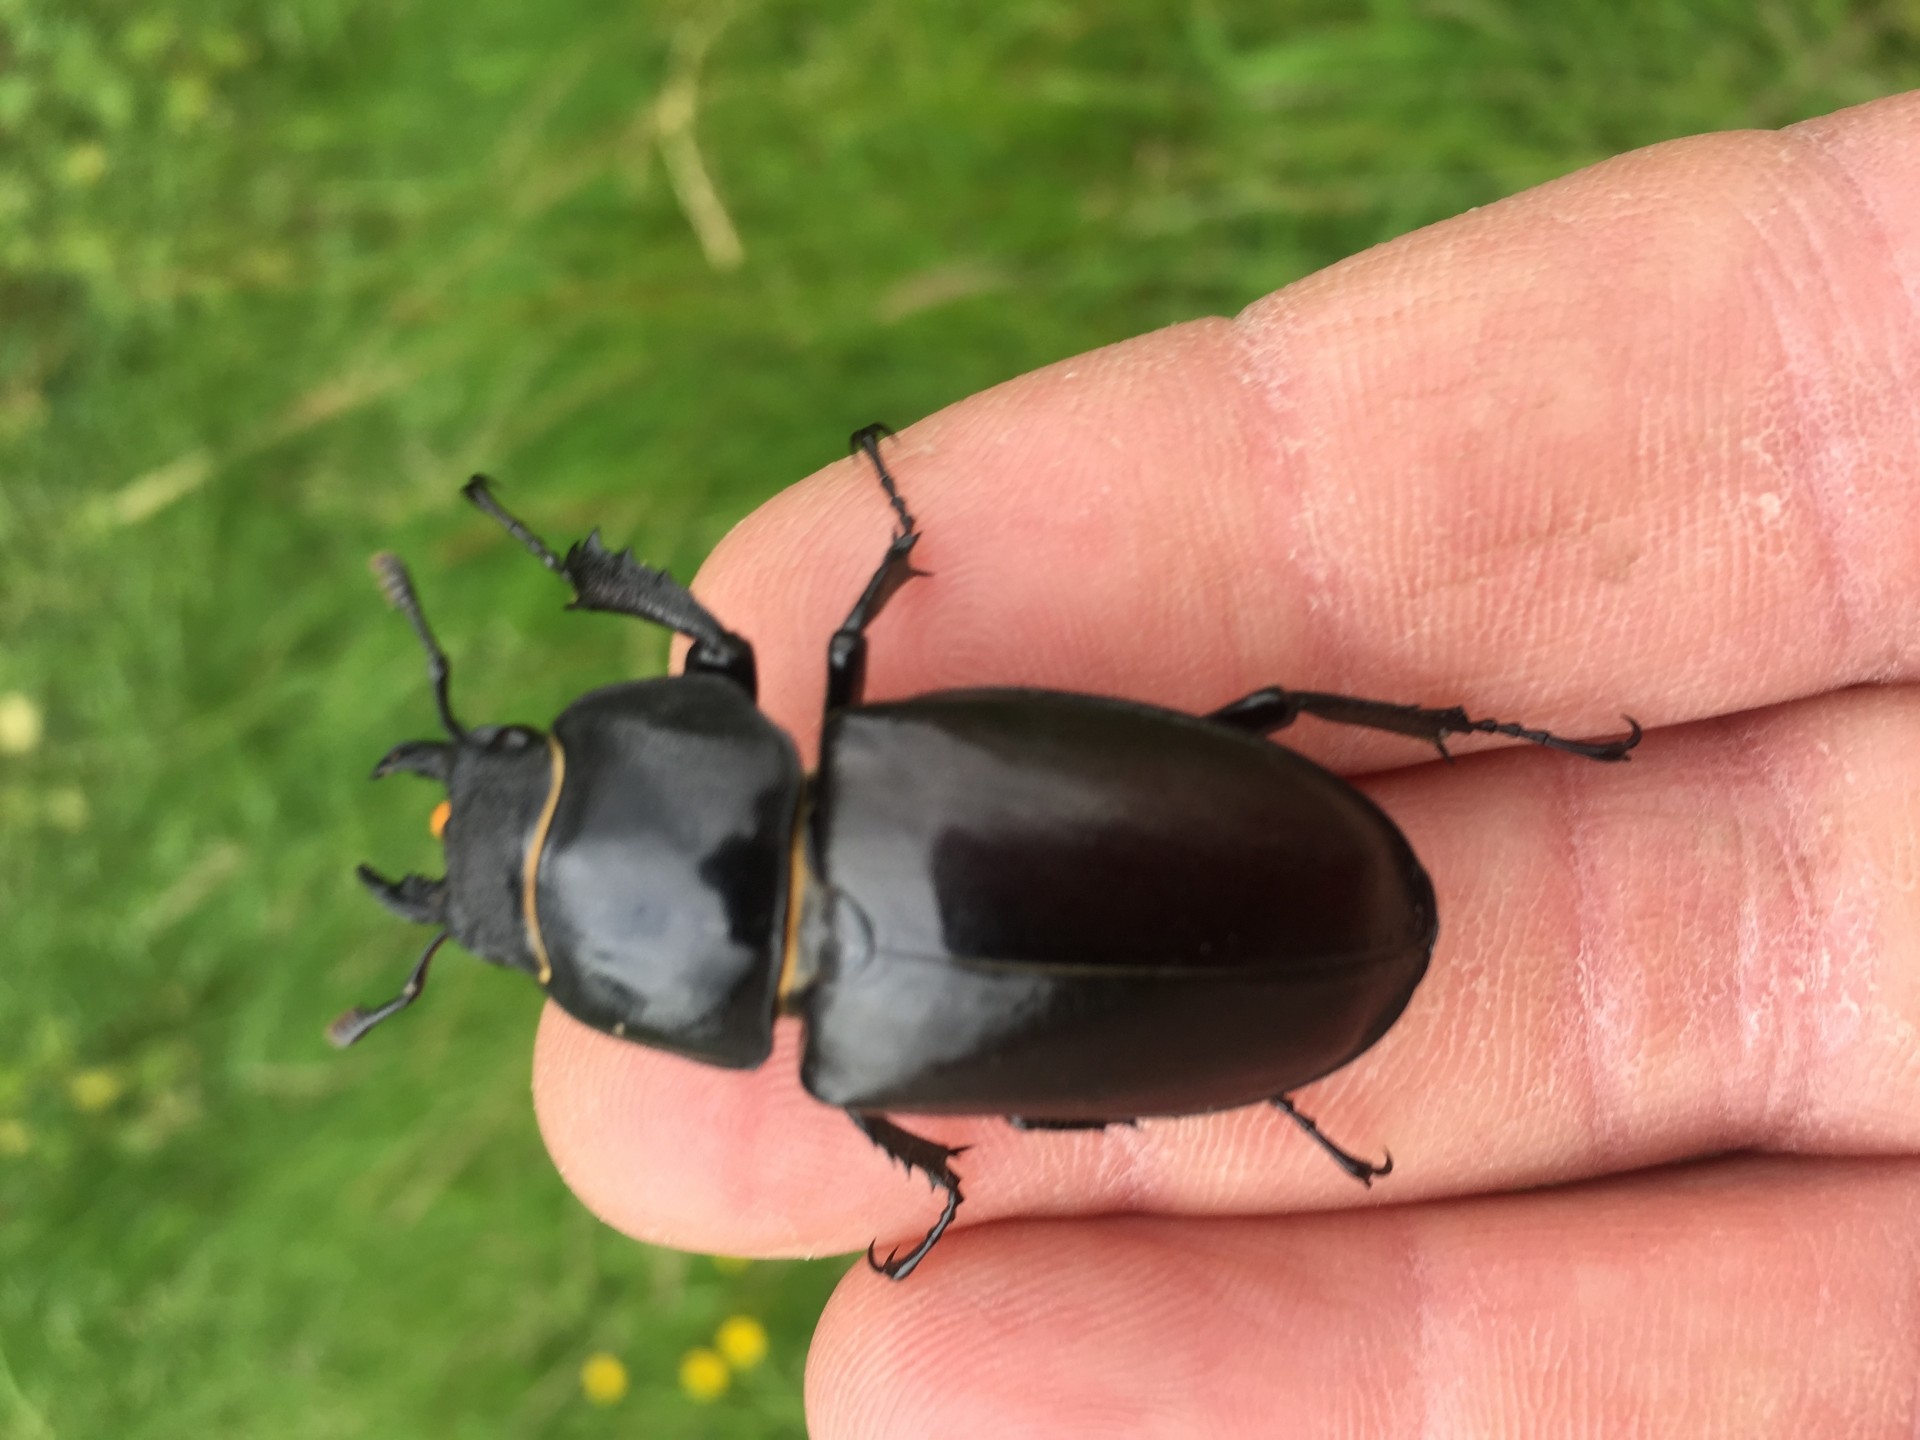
point(914, 1153)
point(866, 441)
point(897, 1266)
point(1021, 1122)
point(1271, 709)
point(1363, 1171)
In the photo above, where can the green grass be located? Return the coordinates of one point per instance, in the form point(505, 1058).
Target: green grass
point(275, 279)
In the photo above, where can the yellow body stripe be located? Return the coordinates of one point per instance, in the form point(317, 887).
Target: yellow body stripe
point(798, 877)
point(530, 872)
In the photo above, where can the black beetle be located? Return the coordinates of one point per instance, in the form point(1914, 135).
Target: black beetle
point(1067, 910)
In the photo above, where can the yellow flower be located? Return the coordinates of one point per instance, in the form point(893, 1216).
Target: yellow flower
point(730, 1264)
point(743, 1340)
point(704, 1375)
point(20, 724)
point(603, 1379)
point(93, 1090)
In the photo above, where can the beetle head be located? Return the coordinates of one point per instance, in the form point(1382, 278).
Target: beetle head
point(497, 779)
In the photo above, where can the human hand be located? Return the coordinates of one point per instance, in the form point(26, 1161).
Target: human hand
point(1645, 439)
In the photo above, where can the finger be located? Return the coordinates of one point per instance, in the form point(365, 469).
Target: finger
point(1752, 1298)
point(1643, 439)
point(1708, 949)
point(1139, 459)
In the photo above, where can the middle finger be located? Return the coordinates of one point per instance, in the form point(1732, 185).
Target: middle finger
point(1698, 951)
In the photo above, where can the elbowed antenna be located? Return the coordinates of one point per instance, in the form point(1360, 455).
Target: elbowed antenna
point(357, 1022)
point(398, 586)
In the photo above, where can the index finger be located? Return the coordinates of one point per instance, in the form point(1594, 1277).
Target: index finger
point(1645, 436)
point(1640, 439)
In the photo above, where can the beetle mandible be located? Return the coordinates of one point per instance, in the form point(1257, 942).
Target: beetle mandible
point(1063, 909)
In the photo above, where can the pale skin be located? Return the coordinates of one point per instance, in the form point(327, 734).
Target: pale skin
point(1646, 439)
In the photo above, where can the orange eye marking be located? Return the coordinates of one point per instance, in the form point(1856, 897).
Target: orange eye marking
point(437, 822)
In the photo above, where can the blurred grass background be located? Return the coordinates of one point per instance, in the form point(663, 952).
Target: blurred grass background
point(275, 278)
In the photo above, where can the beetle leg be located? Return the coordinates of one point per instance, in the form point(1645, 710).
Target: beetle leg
point(411, 897)
point(620, 585)
point(431, 758)
point(930, 1160)
point(847, 650)
point(1356, 1167)
point(1273, 709)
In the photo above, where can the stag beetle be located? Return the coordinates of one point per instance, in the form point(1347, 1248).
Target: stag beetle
point(1063, 909)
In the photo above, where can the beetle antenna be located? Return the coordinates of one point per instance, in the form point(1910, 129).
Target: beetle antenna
point(399, 590)
point(356, 1022)
point(476, 490)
